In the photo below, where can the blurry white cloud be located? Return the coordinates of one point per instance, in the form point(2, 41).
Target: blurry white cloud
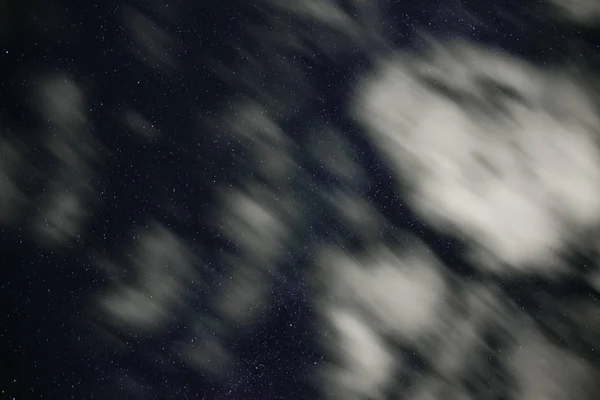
point(208, 356)
point(458, 346)
point(593, 279)
point(257, 218)
point(11, 198)
point(519, 177)
point(164, 270)
point(62, 103)
point(336, 27)
point(127, 383)
point(206, 350)
point(435, 388)
point(253, 126)
point(254, 223)
point(358, 215)
point(327, 13)
point(580, 11)
point(546, 372)
point(258, 222)
point(363, 363)
point(150, 43)
point(271, 76)
point(362, 300)
point(253, 122)
point(403, 294)
point(134, 307)
point(62, 214)
point(140, 125)
point(61, 218)
point(244, 297)
point(334, 153)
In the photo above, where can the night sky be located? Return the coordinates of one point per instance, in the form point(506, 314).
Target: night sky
point(173, 176)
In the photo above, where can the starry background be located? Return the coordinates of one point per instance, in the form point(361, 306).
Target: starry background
point(51, 346)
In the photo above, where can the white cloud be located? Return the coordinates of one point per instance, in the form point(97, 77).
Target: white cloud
point(359, 23)
point(323, 12)
point(206, 350)
point(164, 268)
point(518, 174)
point(150, 43)
point(581, 11)
point(358, 214)
point(134, 307)
point(62, 103)
point(61, 219)
point(140, 125)
point(331, 150)
point(268, 145)
point(361, 301)
point(436, 388)
point(365, 363)
point(244, 297)
point(11, 198)
point(403, 294)
point(253, 222)
point(546, 372)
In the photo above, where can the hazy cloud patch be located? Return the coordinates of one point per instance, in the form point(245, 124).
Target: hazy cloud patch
point(332, 151)
point(363, 363)
point(206, 349)
point(244, 298)
point(164, 269)
point(258, 131)
point(61, 219)
point(585, 12)
point(140, 125)
point(258, 222)
point(151, 43)
point(403, 293)
point(62, 105)
point(11, 197)
point(253, 223)
point(339, 28)
point(363, 300)
point(544, 371)
point(357, 215)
